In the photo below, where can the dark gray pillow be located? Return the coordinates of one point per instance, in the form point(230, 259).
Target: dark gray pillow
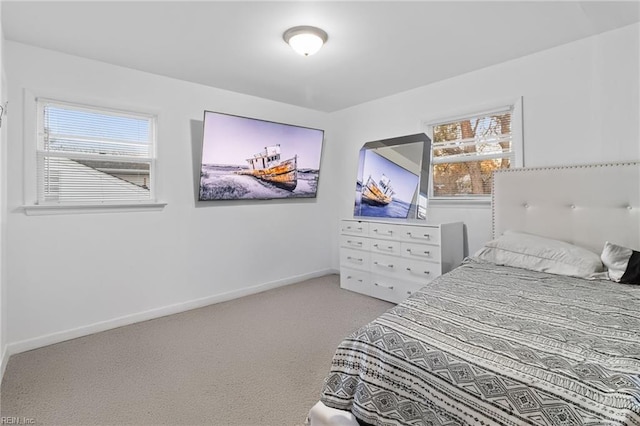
point(623, 263)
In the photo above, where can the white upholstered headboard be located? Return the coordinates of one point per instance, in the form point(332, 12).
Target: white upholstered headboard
point(584, 205)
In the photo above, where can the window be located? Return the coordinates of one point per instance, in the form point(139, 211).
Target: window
point(88, 156)
point(466, 151)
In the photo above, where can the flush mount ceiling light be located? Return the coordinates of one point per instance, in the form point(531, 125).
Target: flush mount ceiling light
point(304, 39)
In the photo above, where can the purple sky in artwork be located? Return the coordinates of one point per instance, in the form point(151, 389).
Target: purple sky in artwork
point(403, 182)
point(230, 140)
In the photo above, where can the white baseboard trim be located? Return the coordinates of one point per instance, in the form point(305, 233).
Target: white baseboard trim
point(61, 336)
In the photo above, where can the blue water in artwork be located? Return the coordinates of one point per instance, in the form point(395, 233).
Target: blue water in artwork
point(395, 209)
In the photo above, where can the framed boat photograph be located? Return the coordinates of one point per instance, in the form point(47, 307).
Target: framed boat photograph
point(385, 188)
point(246, 158)
point(393, 178)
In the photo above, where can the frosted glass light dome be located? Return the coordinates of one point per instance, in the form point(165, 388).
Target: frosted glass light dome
point(305, 40)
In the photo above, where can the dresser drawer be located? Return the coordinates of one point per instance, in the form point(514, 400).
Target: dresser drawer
point(355, 280)
point(355, 258)
point(420, 251)
point(383, 230)
point(354, 242)
point(419, 234)
point(419, 271)
point(391, 289)
point(385, 247)
point(386, 265)
point(354, 227)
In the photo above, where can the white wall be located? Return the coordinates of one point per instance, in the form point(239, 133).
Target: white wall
point(69, 275)
point(73, 274)
point(580, 104)
point(3, 216)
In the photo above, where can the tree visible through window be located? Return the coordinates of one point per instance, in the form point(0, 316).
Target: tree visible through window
point(467, 151)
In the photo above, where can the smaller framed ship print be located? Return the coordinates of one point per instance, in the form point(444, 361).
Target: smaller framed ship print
point(246, 158)
point(386, 189)
point(393, 176)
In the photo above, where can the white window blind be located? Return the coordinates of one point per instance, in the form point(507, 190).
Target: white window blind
point(88, 155)
point(467, 150)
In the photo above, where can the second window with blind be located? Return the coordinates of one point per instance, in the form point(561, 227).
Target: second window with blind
point(93, 155)
point(467, 149)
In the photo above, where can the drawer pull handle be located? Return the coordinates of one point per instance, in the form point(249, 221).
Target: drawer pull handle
point(390, 248)
point(355, 243)
point(426, 253)
point(350, 278)
point(386, 232)
point(425, 236)
point(382, 264)
point(354, 258)
point(424, 272)
point(384, 286)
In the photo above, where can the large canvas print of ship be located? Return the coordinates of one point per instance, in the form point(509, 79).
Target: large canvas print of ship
point(384, 189)
point(247, 158)
point(264, 176)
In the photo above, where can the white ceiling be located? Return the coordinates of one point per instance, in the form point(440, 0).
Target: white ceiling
point(374, 49)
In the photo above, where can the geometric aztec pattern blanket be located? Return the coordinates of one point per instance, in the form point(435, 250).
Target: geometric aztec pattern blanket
point(494, 345)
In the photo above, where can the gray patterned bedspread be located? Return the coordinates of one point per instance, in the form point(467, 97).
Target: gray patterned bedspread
point(491, 345)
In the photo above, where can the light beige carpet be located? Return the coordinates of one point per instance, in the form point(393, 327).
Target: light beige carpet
point(257, 360)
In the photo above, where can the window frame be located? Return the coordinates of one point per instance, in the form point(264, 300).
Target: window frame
point(517, 144)
point(33, 128)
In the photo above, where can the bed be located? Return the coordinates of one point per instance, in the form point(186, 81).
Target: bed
point(507, 338)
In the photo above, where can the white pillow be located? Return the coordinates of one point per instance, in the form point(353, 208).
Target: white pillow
point(623, 263)
point(541, 254)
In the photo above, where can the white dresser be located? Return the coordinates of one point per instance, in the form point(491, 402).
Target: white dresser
point(392, 259)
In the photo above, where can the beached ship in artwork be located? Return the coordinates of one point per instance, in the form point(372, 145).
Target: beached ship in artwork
point(266, 165)
point(377, 194)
